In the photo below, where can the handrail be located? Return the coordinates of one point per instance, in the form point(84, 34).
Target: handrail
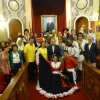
point(91, 67)
point(10, 88)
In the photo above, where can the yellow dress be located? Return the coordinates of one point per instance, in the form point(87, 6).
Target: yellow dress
point(43, 52)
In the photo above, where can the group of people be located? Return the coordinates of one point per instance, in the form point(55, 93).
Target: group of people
point(56, 57)
point(11, 58)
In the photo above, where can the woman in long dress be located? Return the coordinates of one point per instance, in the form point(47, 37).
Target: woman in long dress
point(51, 82)
point(4, 60)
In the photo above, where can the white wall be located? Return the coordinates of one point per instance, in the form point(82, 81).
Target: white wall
point(95, 7)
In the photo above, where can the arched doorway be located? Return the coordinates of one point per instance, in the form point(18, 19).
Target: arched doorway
point(15, 27)
point(82, 23)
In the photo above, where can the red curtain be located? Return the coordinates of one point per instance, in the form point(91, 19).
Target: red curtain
point(62, 19)
point(48, 7)
point(92, 25)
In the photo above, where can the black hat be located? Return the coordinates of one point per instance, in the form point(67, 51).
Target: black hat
point(65, 29)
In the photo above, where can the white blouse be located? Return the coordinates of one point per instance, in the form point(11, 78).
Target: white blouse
point(55, 65)
point(16, 58)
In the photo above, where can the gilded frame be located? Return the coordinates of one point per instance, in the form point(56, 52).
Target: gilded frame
point(46, 25)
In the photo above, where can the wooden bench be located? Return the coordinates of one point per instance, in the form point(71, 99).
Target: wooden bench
point(91, 80)
point(18, 88)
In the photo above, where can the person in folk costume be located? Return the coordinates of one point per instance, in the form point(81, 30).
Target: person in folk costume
point(92, 34)
point(20, 45)
point(65, 34)
point(72, 50)
point(52, 83)
point(75, 44)
point(80, 44)
point(84, 33)
point(70, 63)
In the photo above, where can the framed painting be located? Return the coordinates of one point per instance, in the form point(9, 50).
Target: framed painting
point(49, 23)
point(98, 28)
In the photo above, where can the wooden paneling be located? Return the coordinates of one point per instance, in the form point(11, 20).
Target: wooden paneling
point(82, 22)
point(91, 81)
point(98, 62)
point(13, 96)
point(19, 86)
point(15, 27)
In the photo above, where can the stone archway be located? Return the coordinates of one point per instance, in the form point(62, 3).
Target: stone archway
point(15, 27)
point(81, 22)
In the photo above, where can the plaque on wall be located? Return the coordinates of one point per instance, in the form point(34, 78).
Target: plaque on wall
point(13, 5)
point(81, 4)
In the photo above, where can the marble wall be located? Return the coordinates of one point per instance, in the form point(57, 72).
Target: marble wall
point(11, 11)
point(76, 12)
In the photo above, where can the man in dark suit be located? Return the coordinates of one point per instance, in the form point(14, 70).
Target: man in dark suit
point(91, 51)
point(50, 25)
point(53, 49)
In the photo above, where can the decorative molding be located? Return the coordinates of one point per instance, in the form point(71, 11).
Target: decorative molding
point(9, 21)
point(13, 5)
point(82, 4)
point(76, 13)
point(20, 2)
point(9, 14)
point(81, 15)
point(91, 83)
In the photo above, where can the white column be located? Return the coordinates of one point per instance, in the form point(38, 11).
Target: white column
point(28, 13)
point(68, 13)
